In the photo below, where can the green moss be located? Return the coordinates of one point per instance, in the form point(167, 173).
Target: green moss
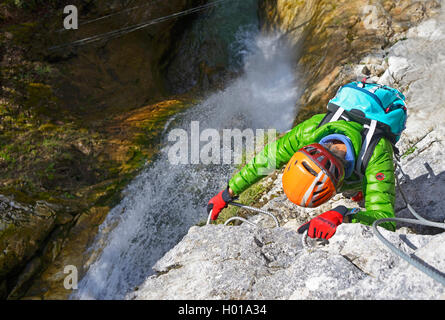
point(47, 127)
point(409, 151)
point(249, 197)
point(136, 159)
point(22, 33)
point(109, 194)
point(41, 99)
point(153, 126)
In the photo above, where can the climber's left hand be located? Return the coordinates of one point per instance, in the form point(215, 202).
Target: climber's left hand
point(325, 225)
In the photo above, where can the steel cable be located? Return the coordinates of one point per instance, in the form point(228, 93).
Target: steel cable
point(133, 28)
point(427, 269)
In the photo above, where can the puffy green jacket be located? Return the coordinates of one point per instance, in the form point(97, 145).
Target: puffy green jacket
point(379, 194)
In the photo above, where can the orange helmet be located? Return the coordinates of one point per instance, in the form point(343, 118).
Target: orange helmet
point(312, 176)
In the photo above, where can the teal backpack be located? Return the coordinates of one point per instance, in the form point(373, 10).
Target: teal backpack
point(381, 109)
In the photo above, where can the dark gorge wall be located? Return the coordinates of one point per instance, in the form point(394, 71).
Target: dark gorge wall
point(127, 71)
point(76, 124)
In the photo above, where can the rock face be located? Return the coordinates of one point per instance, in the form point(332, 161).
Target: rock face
point(24, 230)
point(244, 262)
point(216, 262)
point(105, 84)
point(128, 71)
point(331, 36)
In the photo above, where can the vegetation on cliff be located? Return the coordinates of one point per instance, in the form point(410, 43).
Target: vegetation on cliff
point(75, 125)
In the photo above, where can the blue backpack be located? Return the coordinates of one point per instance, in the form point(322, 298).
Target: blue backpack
point(381, 109)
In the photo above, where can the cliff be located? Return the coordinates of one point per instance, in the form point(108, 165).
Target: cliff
point(244, 262)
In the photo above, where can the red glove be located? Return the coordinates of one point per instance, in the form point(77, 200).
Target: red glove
point(325, 225)
point(219, 202)
point(358, 197)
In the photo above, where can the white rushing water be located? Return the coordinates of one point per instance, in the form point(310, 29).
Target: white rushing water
point(165, 200)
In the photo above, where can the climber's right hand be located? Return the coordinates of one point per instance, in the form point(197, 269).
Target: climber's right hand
point(219, 202)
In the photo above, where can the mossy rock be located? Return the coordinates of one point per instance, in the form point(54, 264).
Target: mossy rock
point(22, 230)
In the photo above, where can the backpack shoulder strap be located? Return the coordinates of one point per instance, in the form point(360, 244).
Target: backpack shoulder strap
point(334, 113)
point(369, 152)
point(378, 135)
point(372, 132)
point(369, 132)
point(370, 136)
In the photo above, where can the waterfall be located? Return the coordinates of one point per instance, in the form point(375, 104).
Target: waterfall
point(166, 199)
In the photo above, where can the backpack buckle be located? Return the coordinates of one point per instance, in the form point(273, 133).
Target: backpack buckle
point(362, 83)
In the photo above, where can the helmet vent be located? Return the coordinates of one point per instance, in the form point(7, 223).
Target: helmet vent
point(328, 165)
point(317, 192)
point(311, 150)
point(308, 168)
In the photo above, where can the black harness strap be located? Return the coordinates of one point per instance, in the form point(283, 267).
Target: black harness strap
point(381, 131)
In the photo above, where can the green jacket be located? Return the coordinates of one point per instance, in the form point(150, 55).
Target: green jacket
point(379, 194)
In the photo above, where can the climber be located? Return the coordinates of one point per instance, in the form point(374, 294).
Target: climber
point(347, 149)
